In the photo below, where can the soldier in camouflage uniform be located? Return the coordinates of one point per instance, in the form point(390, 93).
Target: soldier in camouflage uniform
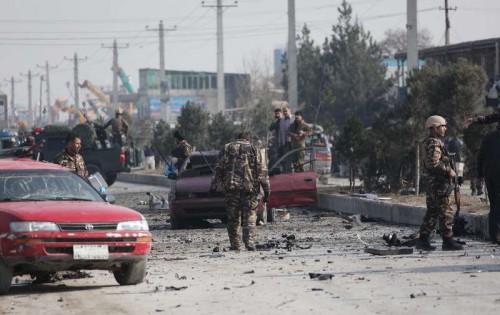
point(182, 151)
point(70, 158)
point(440, 174)
point(299, 130)
point(119, 128)
point(240, 172)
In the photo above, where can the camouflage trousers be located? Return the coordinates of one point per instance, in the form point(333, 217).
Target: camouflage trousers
point(438, 207)
point(241, 207)
point(298, 159)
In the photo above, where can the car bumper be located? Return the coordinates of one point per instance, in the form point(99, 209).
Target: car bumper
point(55, 251)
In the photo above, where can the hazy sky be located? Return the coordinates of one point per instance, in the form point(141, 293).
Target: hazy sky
point(35, 31)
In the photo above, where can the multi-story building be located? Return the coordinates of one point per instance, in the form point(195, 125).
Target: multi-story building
point(187, 86)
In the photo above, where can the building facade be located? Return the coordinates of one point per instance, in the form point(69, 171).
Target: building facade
point(186, 86)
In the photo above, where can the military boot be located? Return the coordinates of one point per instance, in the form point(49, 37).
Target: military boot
point(424, 243)
point(451, 244)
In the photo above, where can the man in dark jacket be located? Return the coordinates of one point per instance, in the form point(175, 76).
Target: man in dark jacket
point(488, 167)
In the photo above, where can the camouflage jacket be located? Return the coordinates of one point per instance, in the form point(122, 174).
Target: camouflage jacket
point(295, 128)
point(437, 165)
point(118, 126)
point(181, 152)
point(240, 168)
point(76, 164)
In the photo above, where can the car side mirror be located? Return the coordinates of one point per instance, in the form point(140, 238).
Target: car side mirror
point(110, 198)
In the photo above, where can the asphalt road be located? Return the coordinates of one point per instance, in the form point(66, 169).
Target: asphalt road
point(314, 263)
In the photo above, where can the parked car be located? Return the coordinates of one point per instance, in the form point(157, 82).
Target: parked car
point(53, 220)
point(190, 199)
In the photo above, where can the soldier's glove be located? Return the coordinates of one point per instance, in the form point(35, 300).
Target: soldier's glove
point(460, 180)
point(266, 196)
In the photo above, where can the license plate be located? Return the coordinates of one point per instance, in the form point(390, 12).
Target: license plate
point(94, 252)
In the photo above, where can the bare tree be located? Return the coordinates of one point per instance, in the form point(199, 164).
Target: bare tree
point(395, 40)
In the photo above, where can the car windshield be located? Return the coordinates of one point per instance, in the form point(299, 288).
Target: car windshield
point(40, 185)
point(200, 164)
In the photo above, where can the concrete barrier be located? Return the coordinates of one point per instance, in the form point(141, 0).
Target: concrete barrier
point(392, 212)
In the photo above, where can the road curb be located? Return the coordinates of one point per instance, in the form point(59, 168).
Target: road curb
point(384, 210)
point(392, 212)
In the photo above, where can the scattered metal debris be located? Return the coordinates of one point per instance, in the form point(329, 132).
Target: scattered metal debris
point(172, 288)
point(321, 276)
point(389, 251)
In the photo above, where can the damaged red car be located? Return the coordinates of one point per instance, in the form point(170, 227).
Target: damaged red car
point(53, 220)
point(190, 200)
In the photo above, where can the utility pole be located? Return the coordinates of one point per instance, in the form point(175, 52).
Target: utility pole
point(30, 100)
point(165, 113)
point(115, 72)
point(12, 97)
point(447, 22)
point(47, 82)
point(412, 34)
point(292, 58)
point(40, 104)
point(221, 90)
point(75, 74)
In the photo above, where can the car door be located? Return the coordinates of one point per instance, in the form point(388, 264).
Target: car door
point(293, 188)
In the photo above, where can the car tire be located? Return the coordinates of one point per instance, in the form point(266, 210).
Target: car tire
point(271, 215)
point(110, 179)
point(6, 274)
point(93, 169)
point(131, 273)
point(176, 223)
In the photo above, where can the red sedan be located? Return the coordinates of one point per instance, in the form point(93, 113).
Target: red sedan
point(53, 220)
point(190, 200)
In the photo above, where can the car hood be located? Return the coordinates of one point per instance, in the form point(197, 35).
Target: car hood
point(68, 211)
point(193, 184)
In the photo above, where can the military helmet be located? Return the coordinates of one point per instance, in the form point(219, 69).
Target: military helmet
point(118, 111)
point(435, 121)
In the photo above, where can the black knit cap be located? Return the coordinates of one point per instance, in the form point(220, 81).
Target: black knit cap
point(177, 135)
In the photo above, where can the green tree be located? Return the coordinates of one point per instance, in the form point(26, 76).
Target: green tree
point(193, 125)
point(221, 131)
point(352, 146)
point(163, 141)
point(358, 75)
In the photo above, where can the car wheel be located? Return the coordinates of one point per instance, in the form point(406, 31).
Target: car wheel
point(131, 273)
point(6, 274)
point(93, 169)
point(110, 179)
point(271, 215)
point(176, 223)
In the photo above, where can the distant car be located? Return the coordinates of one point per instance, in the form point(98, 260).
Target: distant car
point(321, 151)
point(190, 200)
point(53, 220)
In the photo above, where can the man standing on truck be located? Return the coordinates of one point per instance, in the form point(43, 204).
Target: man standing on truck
point(70, 158)
point(119, 128)
point(182, 151)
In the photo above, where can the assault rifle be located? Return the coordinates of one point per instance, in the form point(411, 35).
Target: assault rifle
point(459, 222)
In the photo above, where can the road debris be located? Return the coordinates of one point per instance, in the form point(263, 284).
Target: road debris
point(321, 276)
